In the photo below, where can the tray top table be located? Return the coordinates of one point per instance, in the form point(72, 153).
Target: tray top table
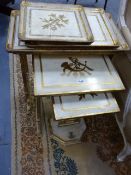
point(55, 75)
point(83, 105)
point(54, 22)
point(15, 45)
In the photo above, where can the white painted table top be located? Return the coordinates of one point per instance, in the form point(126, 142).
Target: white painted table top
point(54, 75)
point(75, 106)
point(101, 28)
point(15, 45)
point(53, 22)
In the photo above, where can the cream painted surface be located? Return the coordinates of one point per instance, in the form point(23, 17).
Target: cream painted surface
point(51, 77)
point(54, 22)
point(122, 42)
point(16, 45)
point(36, 24)
point(99, 35)
point(101, 28)
point(71, 106)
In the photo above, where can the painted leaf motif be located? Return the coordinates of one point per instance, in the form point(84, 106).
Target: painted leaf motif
point(54, 22)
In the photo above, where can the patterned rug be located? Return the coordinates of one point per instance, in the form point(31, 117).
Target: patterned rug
point(34, 153)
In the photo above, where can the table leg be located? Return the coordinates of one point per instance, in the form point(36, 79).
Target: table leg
point(39, 110)
point(24, 69)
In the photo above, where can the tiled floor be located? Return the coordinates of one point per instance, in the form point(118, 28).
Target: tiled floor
point(5, 119)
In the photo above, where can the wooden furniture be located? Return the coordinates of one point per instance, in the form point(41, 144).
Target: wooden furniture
point(63, 66)
point(14, 45)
